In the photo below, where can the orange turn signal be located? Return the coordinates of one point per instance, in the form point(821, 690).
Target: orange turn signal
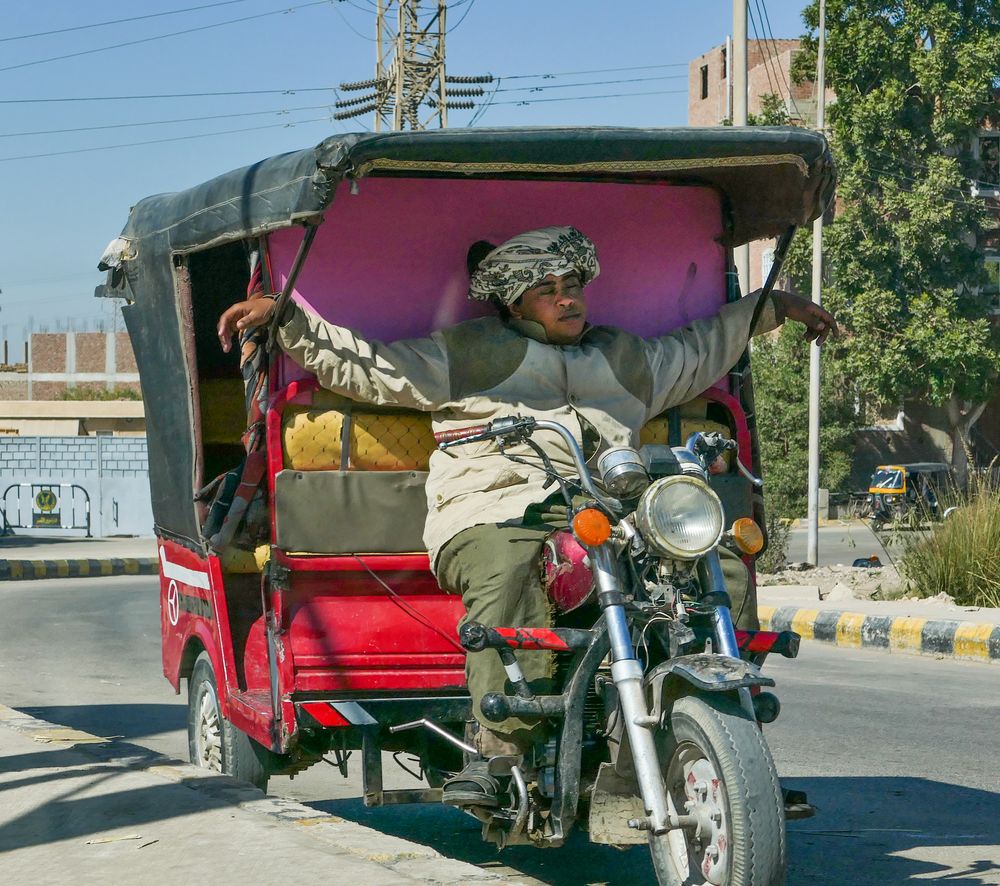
point(591, 527)
point(747, 535)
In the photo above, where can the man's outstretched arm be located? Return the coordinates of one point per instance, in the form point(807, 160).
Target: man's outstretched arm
point(411, 373)
point(687, 361)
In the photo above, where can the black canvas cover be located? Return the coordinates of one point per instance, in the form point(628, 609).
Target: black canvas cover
point(770, 178)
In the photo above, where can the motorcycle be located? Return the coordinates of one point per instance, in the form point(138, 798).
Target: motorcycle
point(656, 731)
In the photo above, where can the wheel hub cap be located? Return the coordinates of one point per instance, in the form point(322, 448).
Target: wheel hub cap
point(209, 734)
point(696, 785)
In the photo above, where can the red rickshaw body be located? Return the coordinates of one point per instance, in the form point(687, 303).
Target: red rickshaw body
point(303, 640)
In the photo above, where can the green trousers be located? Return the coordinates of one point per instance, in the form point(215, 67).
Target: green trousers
point(497, 569)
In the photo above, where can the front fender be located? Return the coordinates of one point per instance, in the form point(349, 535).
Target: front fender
point(705, 672)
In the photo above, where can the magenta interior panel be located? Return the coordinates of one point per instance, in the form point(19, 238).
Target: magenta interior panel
point(389, 261)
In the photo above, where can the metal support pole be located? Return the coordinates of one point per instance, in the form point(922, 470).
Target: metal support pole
point(812, 545)
point(741, 255)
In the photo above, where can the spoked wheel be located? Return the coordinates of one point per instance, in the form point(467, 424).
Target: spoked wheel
point(717, 767)
point(213, 742)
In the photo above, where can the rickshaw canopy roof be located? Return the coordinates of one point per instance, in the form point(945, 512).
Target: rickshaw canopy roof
point(770, 177)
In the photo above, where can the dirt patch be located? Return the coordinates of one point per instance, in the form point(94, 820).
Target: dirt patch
point(842, 582)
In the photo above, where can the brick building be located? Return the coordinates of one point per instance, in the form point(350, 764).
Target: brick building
point(92, 361)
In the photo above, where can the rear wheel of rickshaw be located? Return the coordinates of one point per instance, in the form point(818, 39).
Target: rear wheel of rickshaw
point(213, 742)
point(718, 767)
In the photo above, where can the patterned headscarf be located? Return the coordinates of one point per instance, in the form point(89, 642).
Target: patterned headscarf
point(525, 260)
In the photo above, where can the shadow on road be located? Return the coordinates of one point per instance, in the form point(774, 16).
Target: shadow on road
point(128, 721)
point(892, 830)
point(869, 832)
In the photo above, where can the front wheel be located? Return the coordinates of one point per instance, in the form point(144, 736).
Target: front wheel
point(718, 768)
point(213, 742)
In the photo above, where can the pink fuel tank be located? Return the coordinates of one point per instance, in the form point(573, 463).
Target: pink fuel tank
point(568, 579)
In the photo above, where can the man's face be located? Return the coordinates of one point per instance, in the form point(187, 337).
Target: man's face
point(558, 304)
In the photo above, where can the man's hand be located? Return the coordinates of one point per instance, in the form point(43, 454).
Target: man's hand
point(243, 315)
point(820, 324)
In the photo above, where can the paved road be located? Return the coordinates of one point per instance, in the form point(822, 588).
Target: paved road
point(843, 543)
point(899, 753)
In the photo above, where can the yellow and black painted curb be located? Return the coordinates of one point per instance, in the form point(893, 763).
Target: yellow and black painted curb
point(907, 634)
point(23, 570)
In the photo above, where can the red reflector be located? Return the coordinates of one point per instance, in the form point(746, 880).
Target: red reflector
point(325, 714)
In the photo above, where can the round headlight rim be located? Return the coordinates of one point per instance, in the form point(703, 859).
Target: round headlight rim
point(659, 545)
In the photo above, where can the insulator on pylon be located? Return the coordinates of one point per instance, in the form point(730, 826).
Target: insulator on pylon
point(354, 112)
point(452, 106)
point(359, 84)
point(475, 91)
point(351, 102)
point(477, 78)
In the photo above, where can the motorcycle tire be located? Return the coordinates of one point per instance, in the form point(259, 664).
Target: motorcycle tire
point(717, 765)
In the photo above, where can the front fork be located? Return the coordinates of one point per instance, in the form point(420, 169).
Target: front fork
point(724, 634)
point(627, 675)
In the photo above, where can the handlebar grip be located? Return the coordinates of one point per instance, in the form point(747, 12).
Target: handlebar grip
point(459, 434)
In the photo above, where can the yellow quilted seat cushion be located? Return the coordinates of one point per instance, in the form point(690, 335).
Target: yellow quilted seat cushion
point(312, 440)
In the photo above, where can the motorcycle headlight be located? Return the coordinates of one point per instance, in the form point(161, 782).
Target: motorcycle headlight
point(680, 517)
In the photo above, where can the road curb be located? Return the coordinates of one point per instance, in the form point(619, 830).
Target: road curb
point(27, 570)
point(943, 638)
point(412, 862)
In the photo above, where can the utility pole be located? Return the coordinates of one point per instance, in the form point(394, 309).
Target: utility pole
point(812, 544)
point(410, 89)
point(741, 255)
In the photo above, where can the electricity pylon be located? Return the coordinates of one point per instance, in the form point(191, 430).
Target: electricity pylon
point(410, 88)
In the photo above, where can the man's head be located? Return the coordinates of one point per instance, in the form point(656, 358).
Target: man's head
point(538, 276)
point(557, 304)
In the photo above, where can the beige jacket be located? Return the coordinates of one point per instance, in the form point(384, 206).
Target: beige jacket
point(484, 369)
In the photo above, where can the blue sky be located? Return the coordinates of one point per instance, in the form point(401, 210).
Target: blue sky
point(59, 212)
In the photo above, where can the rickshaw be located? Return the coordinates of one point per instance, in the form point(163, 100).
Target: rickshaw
point(897, 490)
point(296, 597)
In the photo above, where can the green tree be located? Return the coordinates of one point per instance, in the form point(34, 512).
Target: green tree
point(914, 81)
point(781, 395)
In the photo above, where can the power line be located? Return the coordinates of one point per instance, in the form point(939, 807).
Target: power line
point(119, 21)
point(765, 18)
point(158, 141)
point(164, 122)
point(291, 91)
point(577, 98)
point(118, 98)
point(767, 54)
point(464, 14)
point(594, 71)
point(483, 108)
point(591, 83)
point(246, 18)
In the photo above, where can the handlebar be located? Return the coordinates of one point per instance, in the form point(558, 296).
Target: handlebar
point(456, 435)
point(711, 445)
point(518, 428)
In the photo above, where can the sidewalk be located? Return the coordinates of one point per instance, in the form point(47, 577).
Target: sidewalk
point(78, 809)
point(29, 556)
point(922, 627)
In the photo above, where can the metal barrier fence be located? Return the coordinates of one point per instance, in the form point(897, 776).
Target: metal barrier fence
point(49, 506)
